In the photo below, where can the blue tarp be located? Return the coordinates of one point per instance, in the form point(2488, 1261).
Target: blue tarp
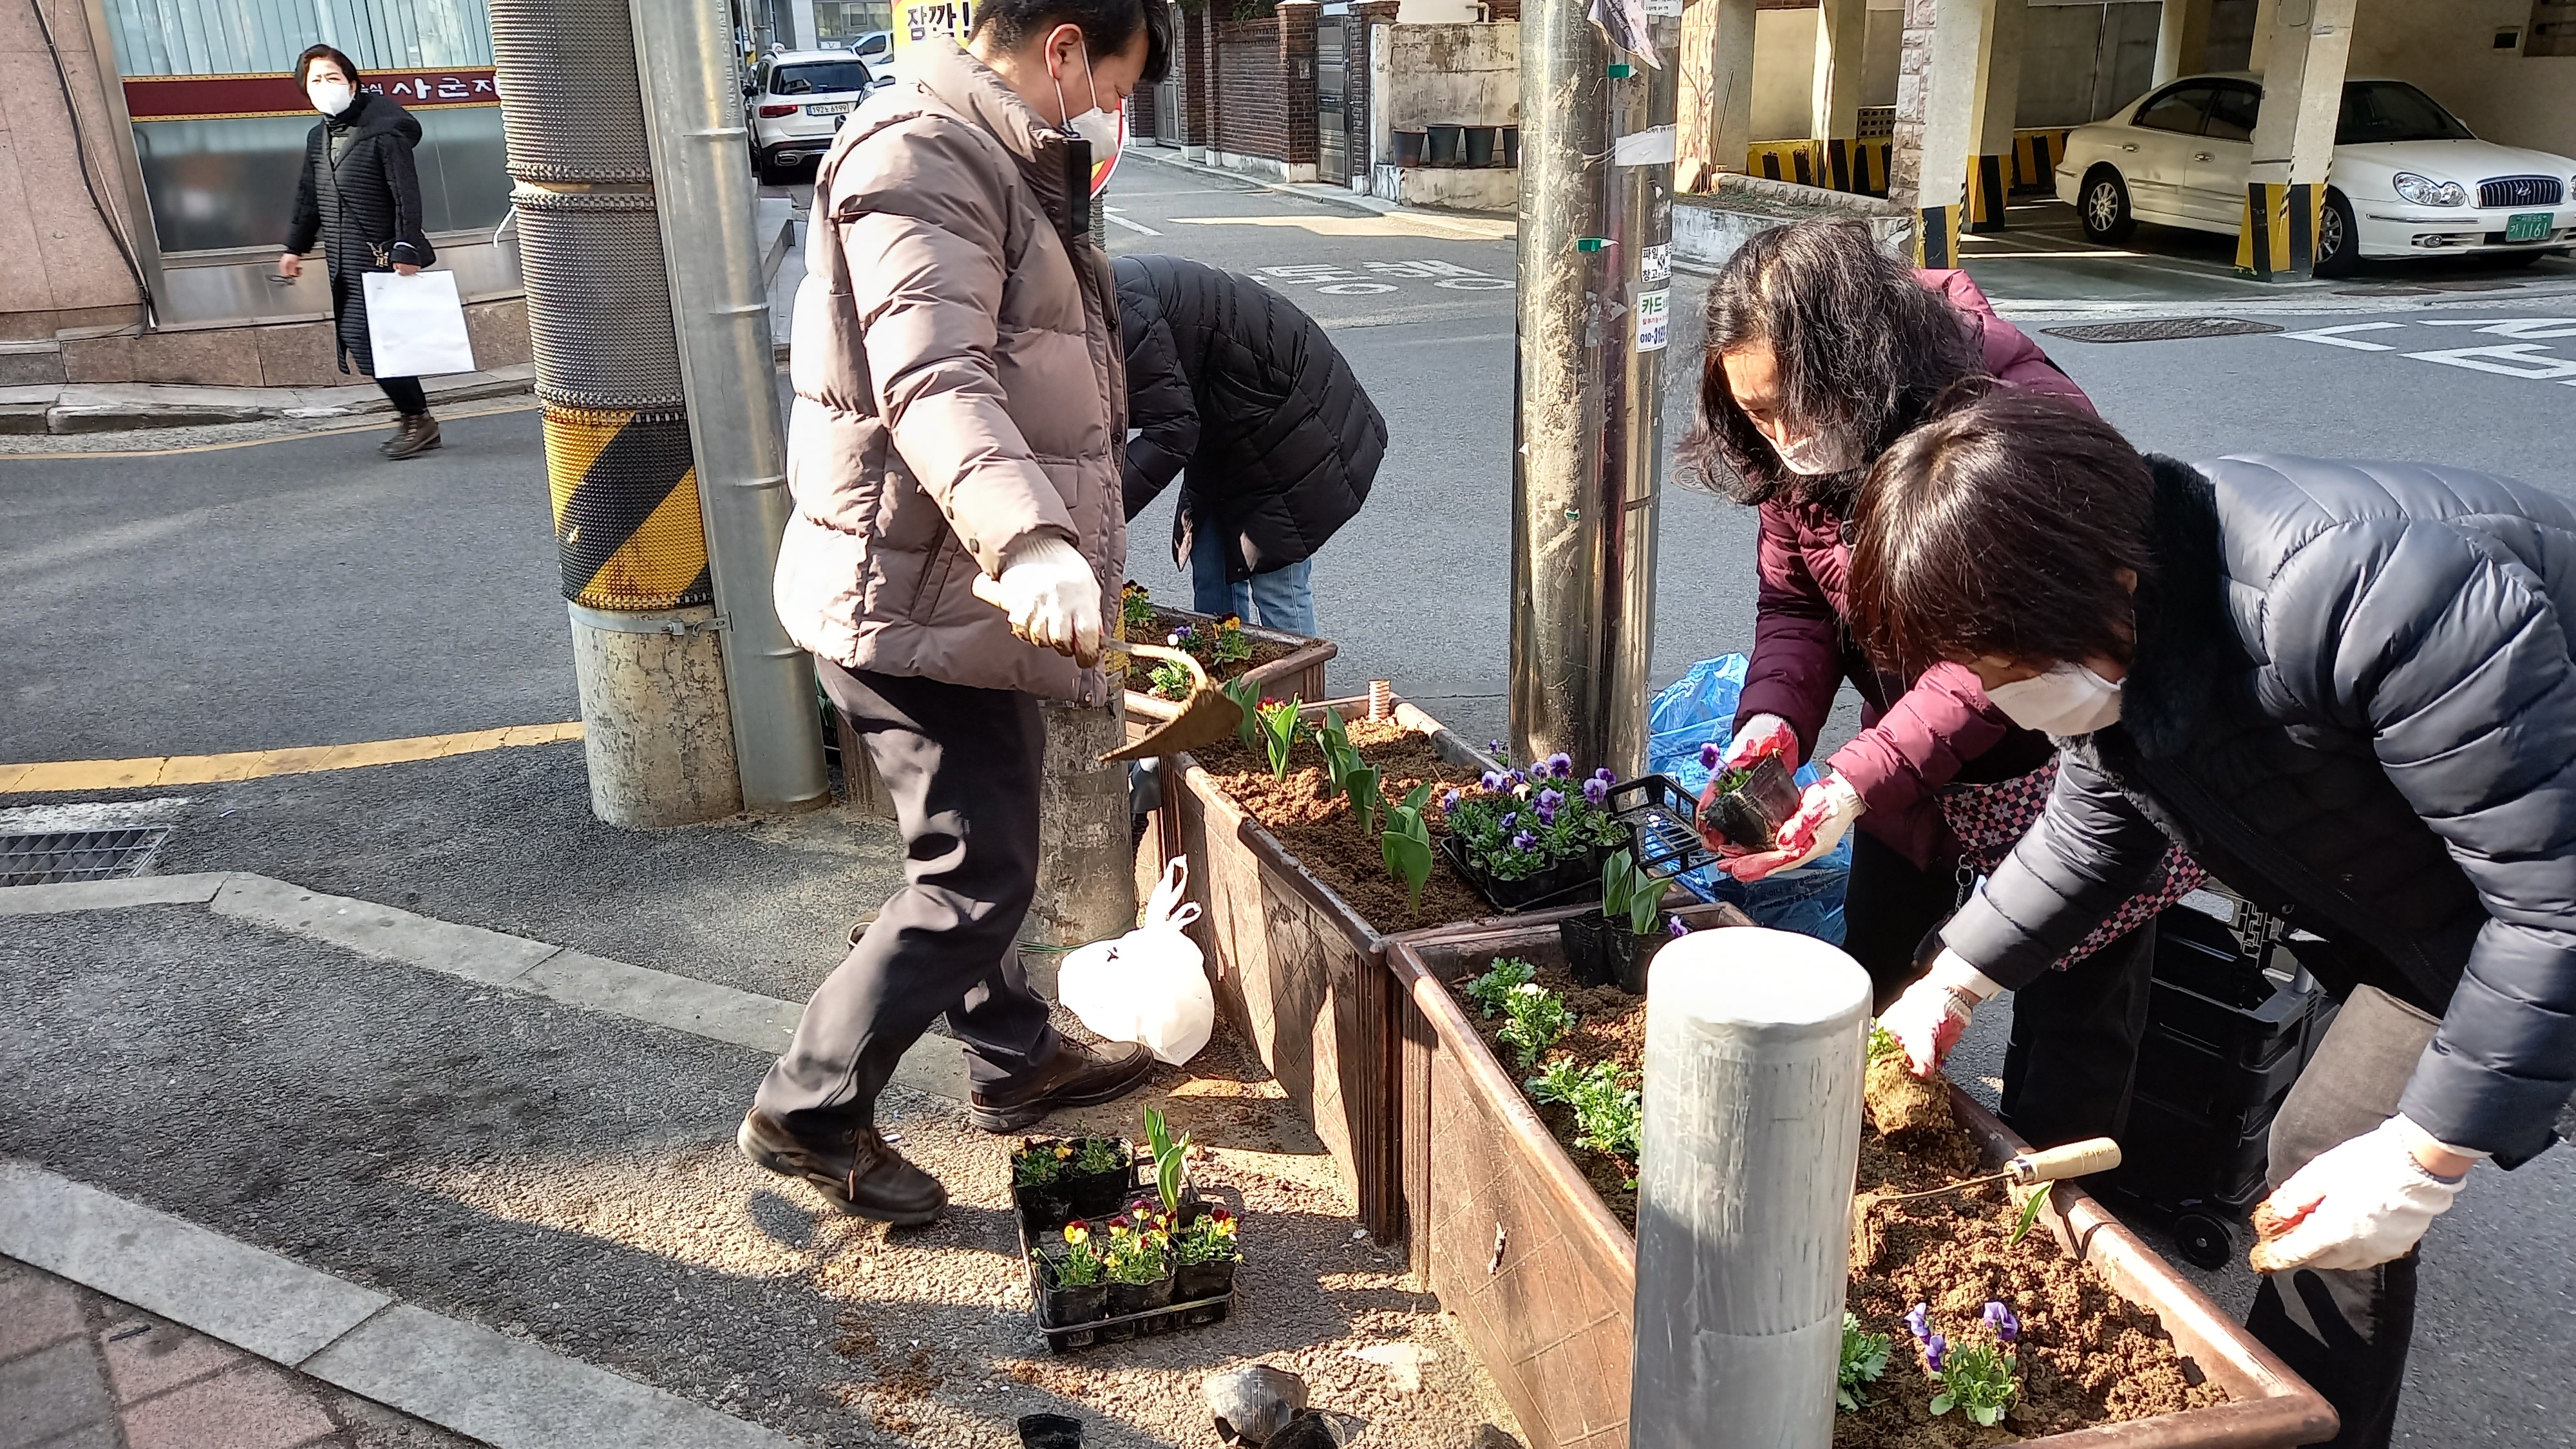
point(1699, 709)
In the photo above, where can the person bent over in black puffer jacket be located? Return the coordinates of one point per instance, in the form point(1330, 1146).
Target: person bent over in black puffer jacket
point(2347, 689)
point(1234, 382)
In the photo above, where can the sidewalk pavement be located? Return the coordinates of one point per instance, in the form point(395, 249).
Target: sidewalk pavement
point(81, 1370)
point(119, 407)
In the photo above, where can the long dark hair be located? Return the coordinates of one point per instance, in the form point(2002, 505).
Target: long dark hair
point(2003, 528)
point(312, 53)
point(1864, 351)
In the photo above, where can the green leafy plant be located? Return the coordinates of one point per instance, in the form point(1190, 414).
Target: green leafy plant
point(1881, 1041)
point(1406, 846)
point(1537, 1021)
point(1864, 1360)
point(1170, 681)
point(1211, 1239)
point(1134, 1254)
point(1135, 607)
point(1170, 1158)
point(1609, 1111)
point(2030, 1211)
point(1631, 893)
point(1333, 737)
point(1079, 1265)
point(1367, 802)
point(1246, 694)
point(1505, 976)
point(1099, 1154)
point(1977, 1379)
point(1038, 1162)
point(1518, 823)
point(1280, 727)
point(1228, 646)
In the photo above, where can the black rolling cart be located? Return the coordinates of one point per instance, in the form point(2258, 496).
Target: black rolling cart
point(2232, 1019)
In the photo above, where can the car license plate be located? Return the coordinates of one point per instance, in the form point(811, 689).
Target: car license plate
point(2528, 226)
point(842, 107)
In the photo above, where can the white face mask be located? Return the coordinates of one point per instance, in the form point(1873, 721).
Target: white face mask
point(330, 97)
point(1812, 455)
point(2067, 701)
point(1105, 132)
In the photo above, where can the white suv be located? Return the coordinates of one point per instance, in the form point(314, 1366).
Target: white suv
point(796, 101)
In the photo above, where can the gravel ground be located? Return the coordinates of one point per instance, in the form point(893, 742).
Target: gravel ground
point(570, 1178)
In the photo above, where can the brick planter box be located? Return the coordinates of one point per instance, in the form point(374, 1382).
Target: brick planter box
point(1543, 1279)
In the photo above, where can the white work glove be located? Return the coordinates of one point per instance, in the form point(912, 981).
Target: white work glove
point(1825, 815)
point(1051, 595)
point(1760, 735)
point(2357, 1205)
point(1927, 1020)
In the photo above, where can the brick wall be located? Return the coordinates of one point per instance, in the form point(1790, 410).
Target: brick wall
point(1250, 112)
point(1366, 17)
point(1297, 78)
point(1197, 76)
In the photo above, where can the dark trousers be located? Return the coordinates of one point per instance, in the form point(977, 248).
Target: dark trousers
point(962, 766)
point(405, 394)
point(2346, 1332)
point(2071, 1065)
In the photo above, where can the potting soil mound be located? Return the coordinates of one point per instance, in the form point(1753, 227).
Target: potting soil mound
point(1140, 673)
point(2087, 1355)
point(1325, 840)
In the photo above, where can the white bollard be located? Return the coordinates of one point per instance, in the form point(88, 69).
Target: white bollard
point(1755, 1049)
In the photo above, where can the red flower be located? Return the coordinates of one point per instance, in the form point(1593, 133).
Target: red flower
point(1219, 1213)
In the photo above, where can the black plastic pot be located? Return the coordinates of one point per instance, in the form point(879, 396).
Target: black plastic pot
point(1192, 1282)
point(1603, 952)
point(1132, 1298)
point(1070, 1307)
point(1750, 815)
point(1099, 1194)
point(1482, 143)
point(1444, 145)
point(1409, 147)
point(1566, 880)
point(1050, 1431)
point(1511, 145)
point(1044, 1208)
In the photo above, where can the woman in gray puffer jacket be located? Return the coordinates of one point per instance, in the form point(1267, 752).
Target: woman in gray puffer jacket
point(2347, 689)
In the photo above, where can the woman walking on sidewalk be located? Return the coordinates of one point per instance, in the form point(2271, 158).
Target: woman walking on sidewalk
point(960, 409)
point(360, 195)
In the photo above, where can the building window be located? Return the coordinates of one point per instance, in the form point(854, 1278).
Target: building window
point(2553, 28)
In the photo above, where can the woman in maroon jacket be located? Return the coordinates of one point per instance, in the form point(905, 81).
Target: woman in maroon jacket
point(1822, 351)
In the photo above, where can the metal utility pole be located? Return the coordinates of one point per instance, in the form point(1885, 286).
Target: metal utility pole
point(700, 143)
point(1595, 262)
point(658, 718)
point(1754, 1056)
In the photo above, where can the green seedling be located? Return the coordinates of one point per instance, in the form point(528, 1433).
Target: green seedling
point(1097, 1155)
point(1977, 1379)
point(1609, 1112)
point(1629, 892)
point(1245, 691)
point(1538, 1021)
point(1406, 846)
point(1169, 1159)
point(1171, 681)
point(1864, 1360)
point(1366, 801)
point(1280, 727)
point(1505, 976)
point(1333, 737)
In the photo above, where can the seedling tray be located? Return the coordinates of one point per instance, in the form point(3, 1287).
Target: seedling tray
point(1160, 1319)
point(1663, 825)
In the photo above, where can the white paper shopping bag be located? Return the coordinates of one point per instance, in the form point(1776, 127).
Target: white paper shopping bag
point(416, 325)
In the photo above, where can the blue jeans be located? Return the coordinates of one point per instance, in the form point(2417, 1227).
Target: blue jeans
point(1283, 599)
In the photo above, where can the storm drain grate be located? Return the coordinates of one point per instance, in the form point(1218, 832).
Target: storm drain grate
point(68, 855)
point(2163, 329)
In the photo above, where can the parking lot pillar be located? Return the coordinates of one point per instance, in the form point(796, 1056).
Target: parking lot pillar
point(2182, 39)
point(2294, 139)
point(1999, 102)
point(1716, 108)
point(2259, 51)
point(1842, 32)
point(1940, 81)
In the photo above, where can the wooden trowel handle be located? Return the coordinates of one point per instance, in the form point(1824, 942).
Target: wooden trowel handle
point(2075, 1159)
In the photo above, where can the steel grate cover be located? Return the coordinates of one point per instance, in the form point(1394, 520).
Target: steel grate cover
point(2163, 329)
point(68, 855)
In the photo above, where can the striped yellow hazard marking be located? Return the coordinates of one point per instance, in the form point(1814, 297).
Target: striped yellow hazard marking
point(2276, 233)
point(625, 494)
point(1936, 241)
point(1989, 186)
point(1839, 164)
point(2036, 154)
point(260, 764)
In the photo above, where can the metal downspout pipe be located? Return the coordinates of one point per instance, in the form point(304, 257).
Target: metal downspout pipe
point(1595, 263)
point(700, 146)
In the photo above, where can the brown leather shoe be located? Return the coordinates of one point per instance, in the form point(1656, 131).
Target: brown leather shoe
point(1076, 1076)
point(419, 434)
point(859, 1172)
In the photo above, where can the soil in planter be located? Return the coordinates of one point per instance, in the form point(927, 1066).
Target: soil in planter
point(1140, 673)
point(1321, 835)
point(2088, 1356)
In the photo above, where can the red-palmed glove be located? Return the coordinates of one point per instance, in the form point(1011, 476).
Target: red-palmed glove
point(1929, 1018)
point(1825, 815)
point(1760, 735)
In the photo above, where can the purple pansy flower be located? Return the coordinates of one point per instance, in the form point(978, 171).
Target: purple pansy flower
point(1492, 782)
point(2001, 1320)
point(1520, 777)
point(1550, 799)
point(1709, 755)
point(1494, 748)
point(1449, 801)
point(1679, 928)
point(1560, 764)
point(1594, 791)
point(1510, 821)
point(1524, 840)
point(1547, 815)
point(1936, 1352)
point(1918, 1321)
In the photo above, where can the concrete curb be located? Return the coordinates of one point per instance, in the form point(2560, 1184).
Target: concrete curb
point(936, 1065)
point(507, 1392)
point(1317, 191)
point(126, 407)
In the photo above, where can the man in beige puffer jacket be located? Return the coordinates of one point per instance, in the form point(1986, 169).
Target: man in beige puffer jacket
point(955, 458)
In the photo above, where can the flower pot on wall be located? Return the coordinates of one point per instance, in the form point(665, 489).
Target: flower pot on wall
point(1446, 146)
point(1511, 145)
point(1409, 147)
point(1482, 143)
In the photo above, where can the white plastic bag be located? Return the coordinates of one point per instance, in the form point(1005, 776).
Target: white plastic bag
point(416, 325)
point(1146, 986)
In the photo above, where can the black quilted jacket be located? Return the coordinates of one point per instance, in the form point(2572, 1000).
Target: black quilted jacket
point(366, 201)
point(2353, 701)
point(1232, 381)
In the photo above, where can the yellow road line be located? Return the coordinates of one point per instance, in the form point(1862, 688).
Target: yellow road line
point(259, 764)
point(376, 424)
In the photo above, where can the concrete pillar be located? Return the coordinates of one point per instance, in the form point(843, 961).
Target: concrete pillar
point(1999, 102)
point(2294, 139)
point(656, 730)
point(2266, 15)
point(1842, 32)
point(2182, 39)
point(1754, 1057)
point(1716, 113)
point(1940, 81)
point(800, 22)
